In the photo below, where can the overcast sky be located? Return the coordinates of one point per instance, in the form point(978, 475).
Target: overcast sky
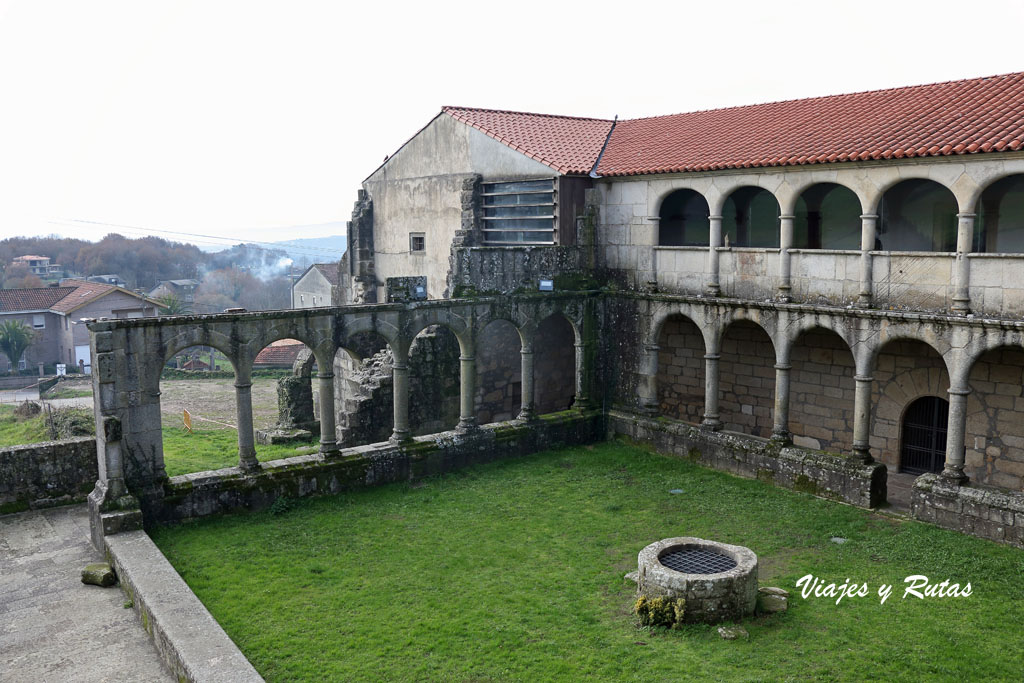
point(236, 118)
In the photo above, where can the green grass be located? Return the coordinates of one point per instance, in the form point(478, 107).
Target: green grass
point(15, 432)
point(66, 392)
point(513, 571)
point(212, 449)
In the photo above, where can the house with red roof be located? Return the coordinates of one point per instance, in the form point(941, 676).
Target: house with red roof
point(316, 286)
point(828, 272)
point(55, 314)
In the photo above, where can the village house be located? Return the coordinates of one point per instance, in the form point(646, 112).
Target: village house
point(316, 286)
point(183, 290)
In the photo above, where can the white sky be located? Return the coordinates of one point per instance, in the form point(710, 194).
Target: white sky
point(236, 118)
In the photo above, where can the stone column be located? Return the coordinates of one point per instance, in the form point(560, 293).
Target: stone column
point(785, 260)
point(715, 240)
point(400, 387)
point(246, 442)
point(328, 432)
point(711, 359)
point(648, 389)
point(868, 235)
point(862, 418)
point(582, 401)
point(780, 427)
point(467, 393)
point(527, 407)
point(962, 275)
point(955, 434)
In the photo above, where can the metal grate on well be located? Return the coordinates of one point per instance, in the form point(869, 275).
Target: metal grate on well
point(697, 561)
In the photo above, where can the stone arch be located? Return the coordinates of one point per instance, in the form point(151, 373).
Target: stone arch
point(917, 214)
point(683, 219)
point(827, 216)
point(680, 377)
point(498, 388)
point(999, 207)
point(822, 387)
point(747, 377)
point(905, 369)
point(364, 398)
point(788, 200)
point(750, 217)
point(995, 417)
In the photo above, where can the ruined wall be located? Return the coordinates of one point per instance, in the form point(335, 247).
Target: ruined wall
point(821, 393)
point(46, 474)
point(504, 270)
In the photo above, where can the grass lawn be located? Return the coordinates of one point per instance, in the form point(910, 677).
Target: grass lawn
point(15, 432)
point(67, 392)
point(513, 571)
point(213, 449)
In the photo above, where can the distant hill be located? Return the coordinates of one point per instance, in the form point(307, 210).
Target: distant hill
point(305, 251)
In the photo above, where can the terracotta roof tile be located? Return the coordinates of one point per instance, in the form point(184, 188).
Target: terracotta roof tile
point(35, 299)
point(82, 293)
point(282, 352)
point(956, 117)
point(568, 144)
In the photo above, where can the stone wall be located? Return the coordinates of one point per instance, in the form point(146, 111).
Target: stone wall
point(681, 370)
point(821, 392)
point(981, 511)
point(499, 377)
point(207, 493)
point(46, 474)
point(503, 270)
point(821, 474)
point(995, 420)
point(747, 380)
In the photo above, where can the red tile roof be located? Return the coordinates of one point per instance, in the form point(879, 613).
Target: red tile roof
point(35, 299)
point(958, 117)
point(280, 353)
point(82, 293)
point(567, 144)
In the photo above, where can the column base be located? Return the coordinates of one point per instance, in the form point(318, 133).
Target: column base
point(782, 438)
point(861, 456)
point(329, 449)
point(527, 415)
point(713, 291)
point(466, 425)
point(400, 436)
point(865, 301)
point(250, 465)
point(961, 306)
point(711, 424)
point(954, 475)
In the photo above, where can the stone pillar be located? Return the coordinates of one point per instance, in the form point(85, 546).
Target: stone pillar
point(780, 427)
point(527, 407)
point(582, 401)
point(400, 386)
point(962, 275)
point(648, 389)
point(328, 433)
point(785, 260)
point(862, 418)
point(955, 434)
point(868, 235)
point(715, 240)
point(246, 441)
point(467, 393)
point(711, 359)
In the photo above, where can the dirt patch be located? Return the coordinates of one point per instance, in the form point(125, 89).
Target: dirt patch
point(212, 402)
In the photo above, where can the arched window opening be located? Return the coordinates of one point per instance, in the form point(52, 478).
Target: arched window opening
point(917, 215)
point(924, 436)
point(499, 367)
point(750, 218)
point(827, 216)
point(999, 227)
point(684, 220)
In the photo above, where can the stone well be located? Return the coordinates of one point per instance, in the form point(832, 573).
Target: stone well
point(717, 580)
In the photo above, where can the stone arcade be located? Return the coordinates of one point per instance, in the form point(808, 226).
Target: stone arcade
point(814, 305)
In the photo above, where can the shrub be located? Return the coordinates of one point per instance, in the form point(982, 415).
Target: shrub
point(665, 612)
point(281, 505)
point(27, 410)
point(67, 423)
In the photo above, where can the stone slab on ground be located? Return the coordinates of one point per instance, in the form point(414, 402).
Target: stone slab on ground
point(52, 626)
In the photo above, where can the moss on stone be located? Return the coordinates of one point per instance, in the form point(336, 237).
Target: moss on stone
point(14, 506)
point(805, 484)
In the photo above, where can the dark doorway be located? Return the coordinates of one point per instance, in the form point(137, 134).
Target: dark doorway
point(924, 436)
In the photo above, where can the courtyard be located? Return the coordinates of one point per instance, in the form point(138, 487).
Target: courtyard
point(514, 571)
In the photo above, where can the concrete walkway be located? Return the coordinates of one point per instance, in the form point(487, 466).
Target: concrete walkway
point(52, 626)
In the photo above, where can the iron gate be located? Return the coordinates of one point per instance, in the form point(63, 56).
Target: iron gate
point(924, 436)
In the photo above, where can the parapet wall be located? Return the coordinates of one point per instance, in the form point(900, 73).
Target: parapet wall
point(981, 511)
point(821, 474)
point(207, 493)
point(45, 474)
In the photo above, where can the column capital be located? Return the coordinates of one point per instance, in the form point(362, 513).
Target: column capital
point(712, 356)
point(467, 358)
point(787, 217)
point(243, 385)
point(966, 214)
point(958, 392)
point(714, 217)
point(325, 375)
point(783, 366)
point(863, 378)
point(399, 366)
point(869, 216)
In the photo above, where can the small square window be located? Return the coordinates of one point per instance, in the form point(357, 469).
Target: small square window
point(38, 322)
point(417, 241)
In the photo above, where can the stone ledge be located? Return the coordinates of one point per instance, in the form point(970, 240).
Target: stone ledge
point(822, 474)
point(190, 642)
point(46, 474)
point(982, 511)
